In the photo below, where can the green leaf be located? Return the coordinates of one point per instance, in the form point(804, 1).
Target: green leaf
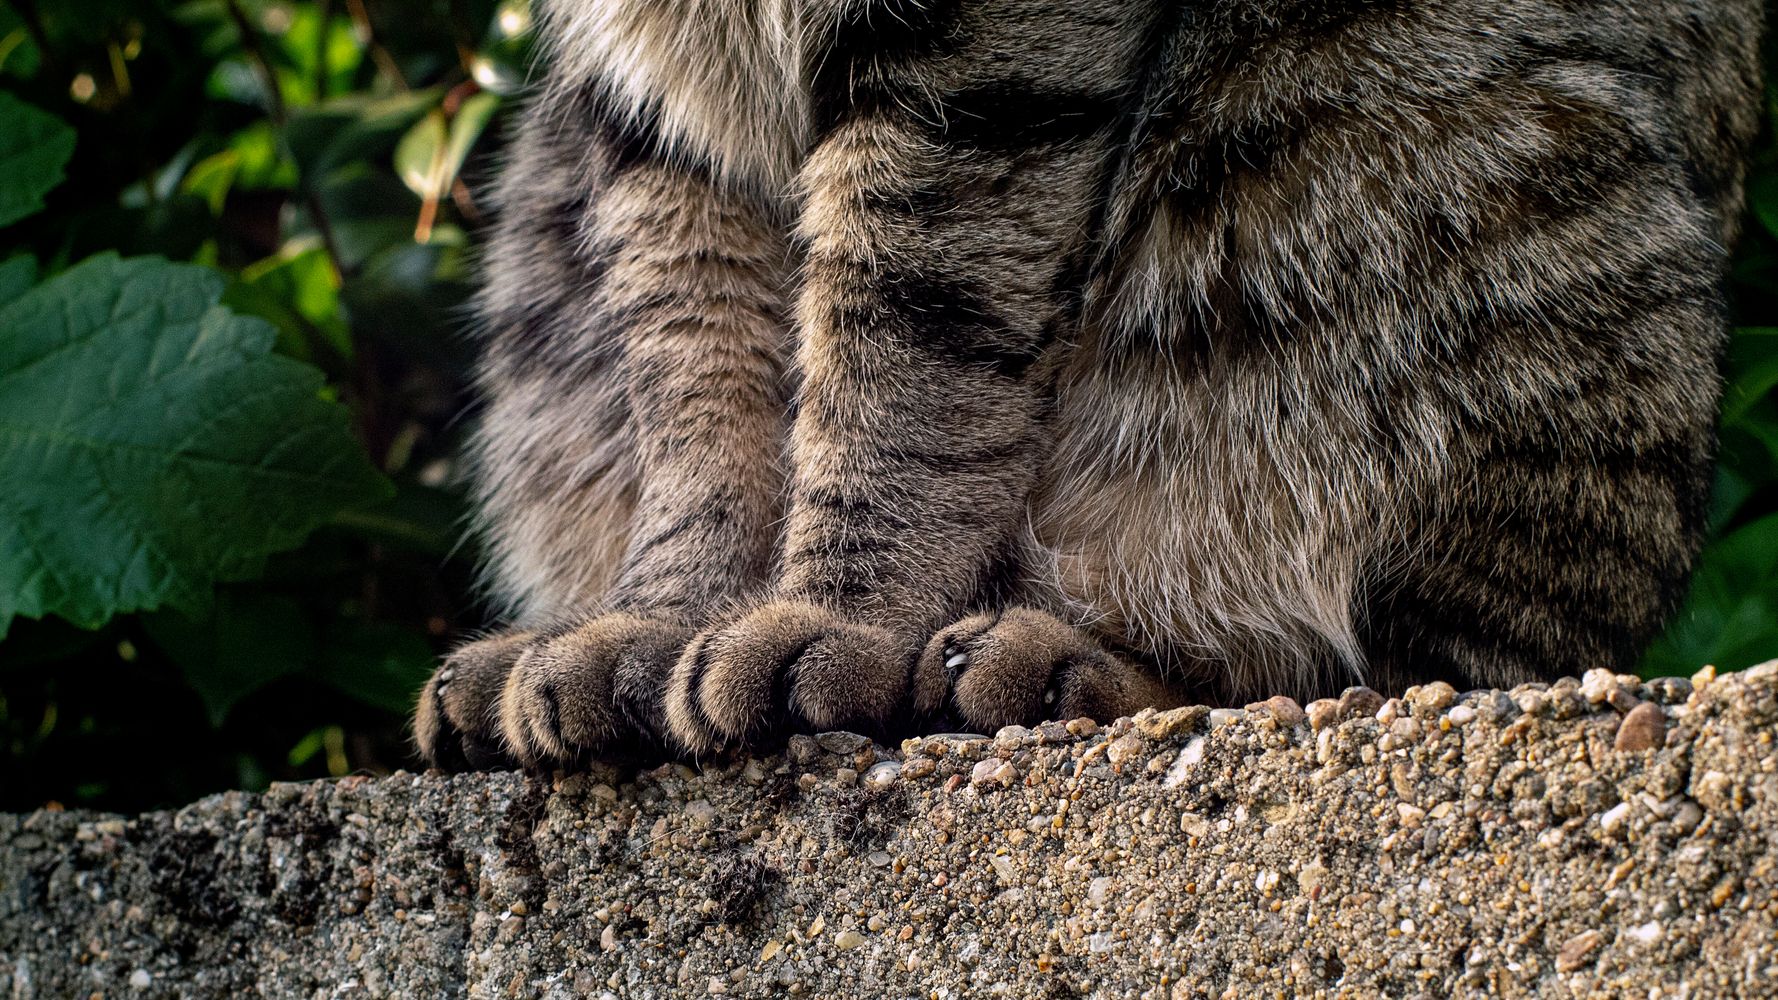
point(1750, 442)
point(16, 275)
point(212, 177)
point(310, 745)
point(19, 55)
point(1762, 197)
point(302, 276)
point(467, 125)
point(307, 38)
point(264, 163)
point(164, 181)
point(34, 147)
point(1730, 618)
point(378, 663)
point(410, 295)
point(294, 336)
point(1730, 491)
point(248, 641)
point(151, 444)
point(417, 518)
point(432, 152)
point(356, 128)
point(369, 209)
point(1752, 369)
point(420, 156)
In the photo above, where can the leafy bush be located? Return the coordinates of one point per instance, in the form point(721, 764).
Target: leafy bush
point(229, 373)
point(238, 237)
point(1730, 617)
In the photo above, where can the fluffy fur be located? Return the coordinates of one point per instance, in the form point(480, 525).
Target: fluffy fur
point(869, 362)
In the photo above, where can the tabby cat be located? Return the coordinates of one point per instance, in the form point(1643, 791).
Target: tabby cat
point(870, 364)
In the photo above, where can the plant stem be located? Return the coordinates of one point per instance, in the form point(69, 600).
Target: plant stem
point(281, 118)
point(321, 40)
point(367, 30)
point(268, 77)
point(29, 14)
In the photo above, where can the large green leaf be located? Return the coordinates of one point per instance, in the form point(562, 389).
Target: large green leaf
point(377, 663)
point(17, 273)
point(34, 146)
point(1730, 618)
point(1752, 369)
point(151, 444)
point(246, 642)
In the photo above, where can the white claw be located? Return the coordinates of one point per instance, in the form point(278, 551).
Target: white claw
point(1049, 697)
point(445, 675)
point(957, 660)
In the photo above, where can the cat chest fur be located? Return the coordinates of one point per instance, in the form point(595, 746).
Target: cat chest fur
point(721, 80)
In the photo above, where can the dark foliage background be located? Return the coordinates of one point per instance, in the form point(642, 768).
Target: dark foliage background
point(235, 237)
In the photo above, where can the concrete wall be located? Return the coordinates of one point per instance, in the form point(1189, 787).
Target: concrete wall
point(1593, 839)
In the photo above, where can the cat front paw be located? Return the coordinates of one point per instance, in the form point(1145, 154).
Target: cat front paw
point(539, 699)
point(783, 667)
point(457, 717)
point(1019, 666)
point(595, 689)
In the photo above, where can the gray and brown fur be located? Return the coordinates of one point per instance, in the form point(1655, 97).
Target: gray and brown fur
point(871, 363)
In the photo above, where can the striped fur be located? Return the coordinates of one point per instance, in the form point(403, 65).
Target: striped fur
point(857, 361)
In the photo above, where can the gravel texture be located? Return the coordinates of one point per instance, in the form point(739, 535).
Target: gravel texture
point(1598, 837)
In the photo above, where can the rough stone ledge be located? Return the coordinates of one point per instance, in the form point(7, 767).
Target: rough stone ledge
point(1587, 838)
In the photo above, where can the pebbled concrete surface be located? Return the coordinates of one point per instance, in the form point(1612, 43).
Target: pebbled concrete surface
point(1589, 838)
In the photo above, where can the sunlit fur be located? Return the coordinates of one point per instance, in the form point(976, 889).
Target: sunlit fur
point(1115, 352)
point(721, 77)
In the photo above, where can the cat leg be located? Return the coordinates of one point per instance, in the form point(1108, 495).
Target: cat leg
point(945, 240)
point(675, 314)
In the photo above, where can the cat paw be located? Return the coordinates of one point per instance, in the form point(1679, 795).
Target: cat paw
point(1018, 667)
point(781, 667)
point(593, 689)
point(457, 718)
